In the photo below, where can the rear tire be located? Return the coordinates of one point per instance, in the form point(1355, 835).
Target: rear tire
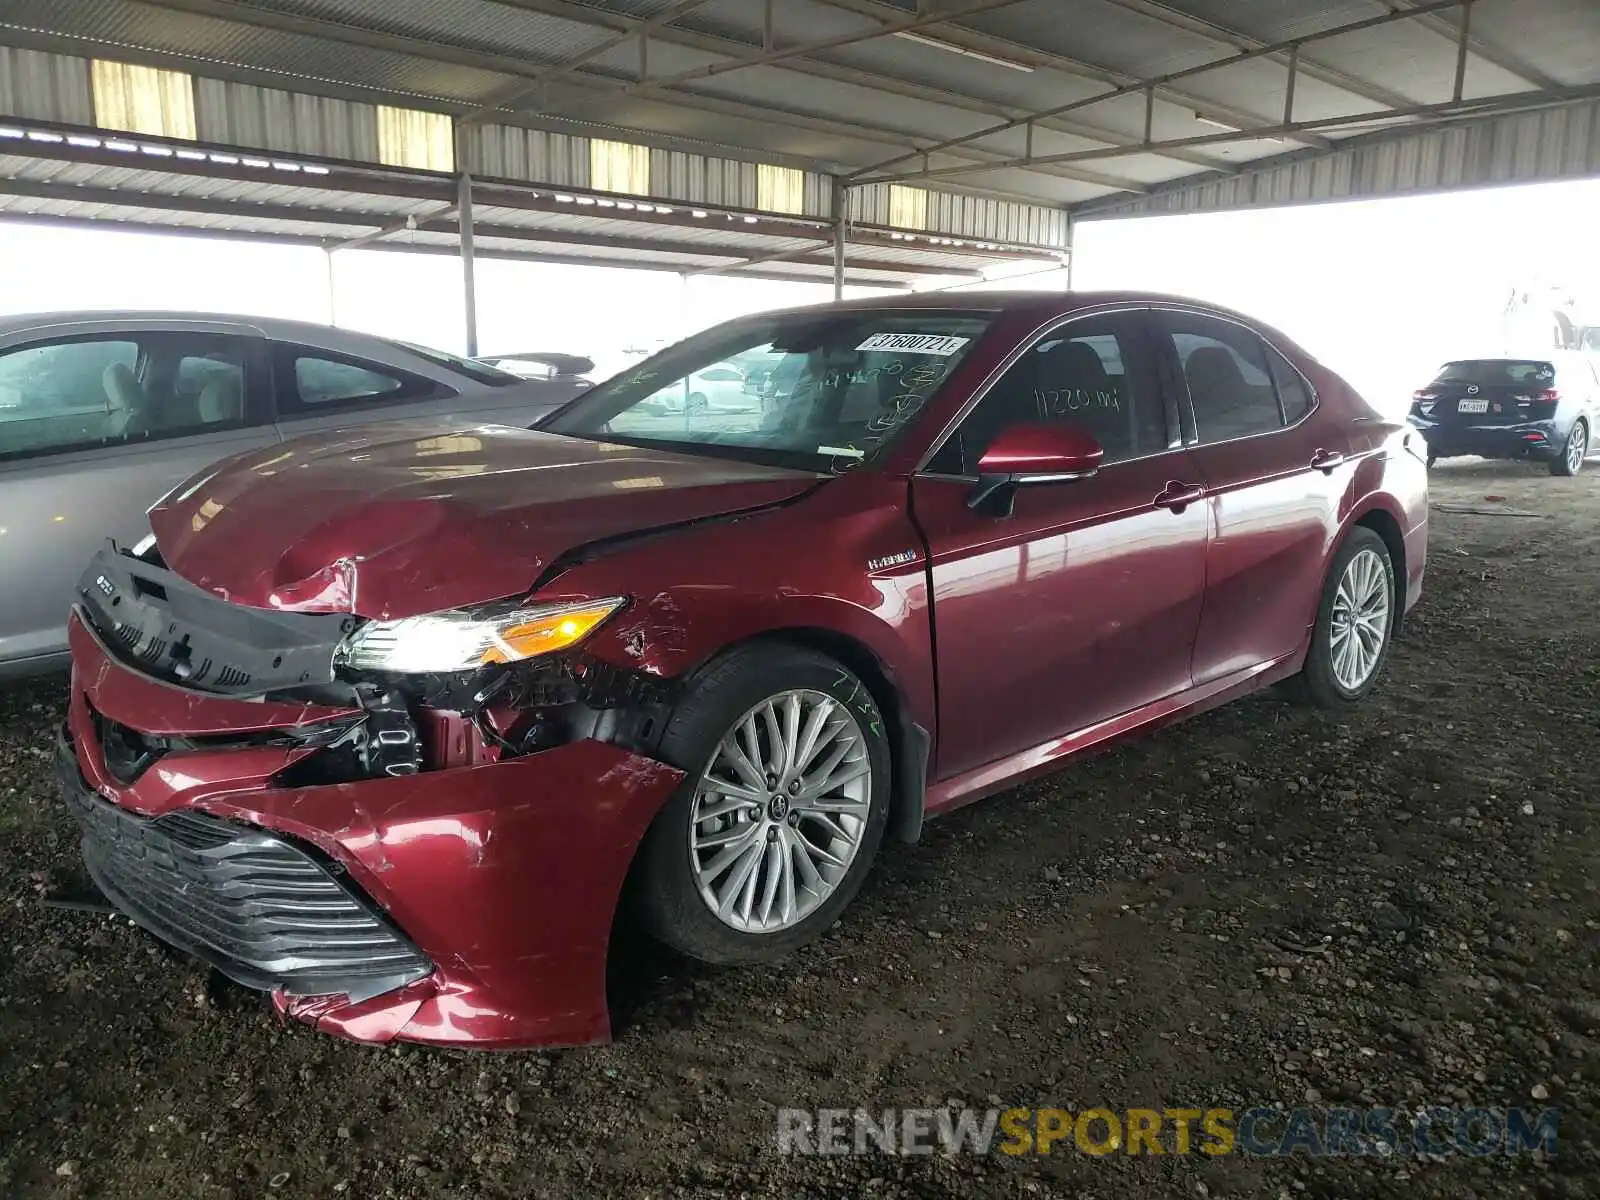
point(677, 898)
point(1570, 461)
point(1348, 651)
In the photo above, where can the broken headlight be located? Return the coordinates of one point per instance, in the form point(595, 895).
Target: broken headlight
point(462, 641)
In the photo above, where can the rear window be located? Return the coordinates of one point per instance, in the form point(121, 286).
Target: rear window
point(1498, 372)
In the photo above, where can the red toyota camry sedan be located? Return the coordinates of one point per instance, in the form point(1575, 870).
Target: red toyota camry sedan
point(393, 723)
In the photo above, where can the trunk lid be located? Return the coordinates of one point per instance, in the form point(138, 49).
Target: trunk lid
point(416, 518)
point(1491, 392)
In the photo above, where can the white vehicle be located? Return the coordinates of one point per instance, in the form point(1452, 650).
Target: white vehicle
point(101, 414)
point(718, 388)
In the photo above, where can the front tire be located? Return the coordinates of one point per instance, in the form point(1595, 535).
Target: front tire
point(784, 806)
point(1355, 625)
point(1570, 460)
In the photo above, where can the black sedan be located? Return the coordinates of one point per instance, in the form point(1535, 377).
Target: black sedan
point(1538, 408)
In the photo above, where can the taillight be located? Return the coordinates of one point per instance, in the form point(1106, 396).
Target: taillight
point(1548, 396)
point(1424, 394)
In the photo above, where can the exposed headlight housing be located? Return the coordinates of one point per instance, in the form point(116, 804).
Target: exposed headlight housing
point(460, 641)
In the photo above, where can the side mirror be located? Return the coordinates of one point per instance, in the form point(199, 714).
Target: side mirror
point(1033, 452)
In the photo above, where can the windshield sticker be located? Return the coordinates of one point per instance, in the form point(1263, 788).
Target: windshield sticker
point(842, 451)
point(915, 343)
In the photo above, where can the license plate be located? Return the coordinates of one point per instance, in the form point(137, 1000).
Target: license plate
point(1473, 406)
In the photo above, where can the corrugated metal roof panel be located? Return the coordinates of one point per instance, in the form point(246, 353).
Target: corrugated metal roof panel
point(104, 26)
point(462, 53)
point(970, 217)
point(1536, 147)
point(510, 152)
point(240, 114)
point(45, 87)
point(491, 28)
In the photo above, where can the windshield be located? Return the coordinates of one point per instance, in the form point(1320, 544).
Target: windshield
point(1498, 372)
point(471, 368)
point(821, 391)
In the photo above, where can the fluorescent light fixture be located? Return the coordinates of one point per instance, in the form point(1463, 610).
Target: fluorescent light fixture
point(1216, 124)
point(950, 48)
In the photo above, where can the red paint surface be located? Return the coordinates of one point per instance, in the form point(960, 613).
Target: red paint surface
point(1042, 448)
point(506, 875)
point(397, 520)
point(1098, 608)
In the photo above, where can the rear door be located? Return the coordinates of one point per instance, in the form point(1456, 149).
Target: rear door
point(96, 425)
point(320, 389)
point(1274, 471)
point(1487, 393)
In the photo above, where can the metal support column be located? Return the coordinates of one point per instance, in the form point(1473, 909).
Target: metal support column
point(468, 278)
point(333, 290)
point(840, 197)
point(1072, 248)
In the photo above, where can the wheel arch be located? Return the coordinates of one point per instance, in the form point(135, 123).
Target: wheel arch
point(1386, 525)
point(910, 745)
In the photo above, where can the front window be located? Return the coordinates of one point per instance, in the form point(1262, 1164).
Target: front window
point(822, 391)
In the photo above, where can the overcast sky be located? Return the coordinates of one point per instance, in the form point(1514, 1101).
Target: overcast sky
point(1382, 291)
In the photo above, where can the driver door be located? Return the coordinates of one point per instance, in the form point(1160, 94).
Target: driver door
point(1085, 602)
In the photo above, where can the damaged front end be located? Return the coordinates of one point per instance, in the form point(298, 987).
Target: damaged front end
point(436, 691)
point(458, 795)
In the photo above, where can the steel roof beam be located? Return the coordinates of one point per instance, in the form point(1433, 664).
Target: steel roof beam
point(1154, 84)
point(1480, 47)
point(763, 58)
point(1174, 18)
point(532, 77)
point(188, 159)
point(1450, 110)
point(279, 21)
point(973, 39)
point(642, 30)
point(821, 68)
point(382, 225)
point(882, 136)
point(295, 239)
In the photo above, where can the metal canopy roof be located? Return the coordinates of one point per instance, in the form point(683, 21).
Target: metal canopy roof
point(1075, 100)
point(1007, 112)
point(81, 176)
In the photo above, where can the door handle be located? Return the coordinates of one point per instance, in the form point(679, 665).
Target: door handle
point(1326, 461)
point(1178, 496)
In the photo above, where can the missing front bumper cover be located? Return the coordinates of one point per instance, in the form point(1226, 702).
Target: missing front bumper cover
point(265, 912)
point(161, 624)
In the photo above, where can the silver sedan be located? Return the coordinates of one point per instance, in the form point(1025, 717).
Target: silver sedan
point(101, 414)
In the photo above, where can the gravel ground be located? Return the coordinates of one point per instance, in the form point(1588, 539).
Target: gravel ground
point(1264, 905)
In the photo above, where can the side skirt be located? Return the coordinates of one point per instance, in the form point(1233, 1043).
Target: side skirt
point(948, 794)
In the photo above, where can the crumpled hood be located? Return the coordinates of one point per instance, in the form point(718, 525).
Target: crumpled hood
point(398, 520)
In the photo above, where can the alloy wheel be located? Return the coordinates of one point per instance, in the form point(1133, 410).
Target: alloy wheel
point(780, 810)
point(1362, 609)
point(1577, 448)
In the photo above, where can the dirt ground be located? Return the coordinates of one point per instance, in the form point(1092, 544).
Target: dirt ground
point(1264, 905)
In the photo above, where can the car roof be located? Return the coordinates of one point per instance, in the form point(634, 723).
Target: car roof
point(1028, 303)
point(272, 327)
point(380, 350)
